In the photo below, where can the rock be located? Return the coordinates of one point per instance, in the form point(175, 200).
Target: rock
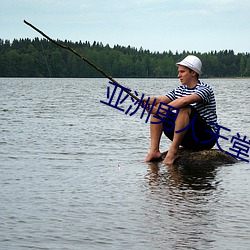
point(204, 157)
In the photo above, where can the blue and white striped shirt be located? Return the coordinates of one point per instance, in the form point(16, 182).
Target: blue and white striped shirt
point(206, 108)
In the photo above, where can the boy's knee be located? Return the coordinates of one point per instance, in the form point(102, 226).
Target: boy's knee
point(185, 110)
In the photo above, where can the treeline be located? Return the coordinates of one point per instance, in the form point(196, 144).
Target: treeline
point(41, 58)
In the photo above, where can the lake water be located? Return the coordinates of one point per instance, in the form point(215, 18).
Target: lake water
point(72, 174)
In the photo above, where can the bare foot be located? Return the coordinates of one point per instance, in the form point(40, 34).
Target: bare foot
point(153, 156)
point(171, 157)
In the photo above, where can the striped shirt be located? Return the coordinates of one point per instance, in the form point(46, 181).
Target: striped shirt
point(206, 108)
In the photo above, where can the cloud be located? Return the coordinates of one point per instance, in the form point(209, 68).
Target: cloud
point(149, 2)
point(225, 5)
point(84, 6)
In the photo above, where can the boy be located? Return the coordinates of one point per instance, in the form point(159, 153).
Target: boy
point(197, 107)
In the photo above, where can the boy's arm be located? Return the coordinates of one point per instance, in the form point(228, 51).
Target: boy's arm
point(185, 101)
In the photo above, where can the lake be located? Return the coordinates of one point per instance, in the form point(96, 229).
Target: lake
point(72, 174)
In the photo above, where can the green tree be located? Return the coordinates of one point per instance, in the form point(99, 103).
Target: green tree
point(247, 69)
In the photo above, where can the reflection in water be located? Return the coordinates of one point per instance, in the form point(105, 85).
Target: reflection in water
point(183, 196)
point(183, 176)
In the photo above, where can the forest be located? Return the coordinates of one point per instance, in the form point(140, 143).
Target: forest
point(41, 58)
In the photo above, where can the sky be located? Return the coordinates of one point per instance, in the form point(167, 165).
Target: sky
point(155, 25)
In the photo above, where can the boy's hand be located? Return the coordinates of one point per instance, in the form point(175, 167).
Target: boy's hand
point(149, 102)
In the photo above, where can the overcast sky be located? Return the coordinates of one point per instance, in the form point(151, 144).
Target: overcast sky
point(157, 25)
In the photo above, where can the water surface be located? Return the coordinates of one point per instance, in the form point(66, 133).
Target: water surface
point(72, 176)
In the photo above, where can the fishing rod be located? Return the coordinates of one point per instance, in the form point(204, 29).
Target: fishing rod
point(83, 58)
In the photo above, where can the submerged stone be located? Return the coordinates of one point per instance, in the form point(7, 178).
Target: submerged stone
point(204, 157)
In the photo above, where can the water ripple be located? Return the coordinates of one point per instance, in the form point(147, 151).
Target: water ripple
point(72, 174)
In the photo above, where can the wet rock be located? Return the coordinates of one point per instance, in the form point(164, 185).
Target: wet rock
point(204, 157)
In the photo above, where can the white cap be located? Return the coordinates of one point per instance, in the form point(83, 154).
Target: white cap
point(191, 62)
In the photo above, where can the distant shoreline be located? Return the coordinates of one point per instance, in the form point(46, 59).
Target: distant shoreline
point(41, 58)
